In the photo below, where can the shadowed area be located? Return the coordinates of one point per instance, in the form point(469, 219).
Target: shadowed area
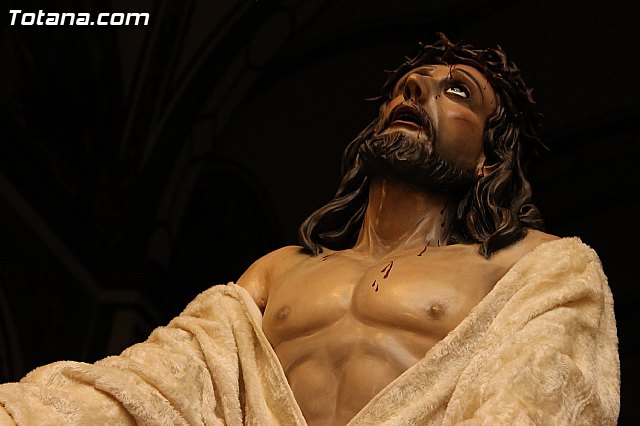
point(139, 165)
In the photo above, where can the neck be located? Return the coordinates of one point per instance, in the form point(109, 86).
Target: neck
point(401, 217)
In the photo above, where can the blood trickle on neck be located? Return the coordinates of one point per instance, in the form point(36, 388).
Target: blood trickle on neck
point(402, 216)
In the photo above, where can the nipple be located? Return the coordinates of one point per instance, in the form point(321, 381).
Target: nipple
point(436, 311)
point(283, 313)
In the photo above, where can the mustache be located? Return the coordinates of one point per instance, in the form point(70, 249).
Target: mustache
point(410, 111)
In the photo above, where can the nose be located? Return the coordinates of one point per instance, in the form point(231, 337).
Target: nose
point(414, 88)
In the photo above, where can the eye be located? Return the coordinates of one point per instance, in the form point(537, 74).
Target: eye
point(458, 89)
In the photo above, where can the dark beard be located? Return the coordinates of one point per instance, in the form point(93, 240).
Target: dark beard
point(413, 161)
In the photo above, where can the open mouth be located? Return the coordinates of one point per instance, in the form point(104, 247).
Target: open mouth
point(406, 115)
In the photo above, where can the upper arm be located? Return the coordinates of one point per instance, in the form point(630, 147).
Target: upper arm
point(259, 277)
point(255, 280)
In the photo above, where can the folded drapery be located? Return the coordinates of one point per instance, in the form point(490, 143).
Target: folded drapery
point(211, 365)
point(541, 348)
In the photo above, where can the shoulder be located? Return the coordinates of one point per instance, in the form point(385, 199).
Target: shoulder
point(509, 256)
point(533, 239)
point(567, 252)
point(566, 267)
point(554, 254)
point(269, 268)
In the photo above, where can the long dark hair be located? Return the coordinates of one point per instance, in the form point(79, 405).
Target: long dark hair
point(497, 210)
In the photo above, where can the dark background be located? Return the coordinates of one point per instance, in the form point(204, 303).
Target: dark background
point(140, 165)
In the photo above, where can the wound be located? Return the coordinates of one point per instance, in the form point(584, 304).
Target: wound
point(425, 248)
point(387, 269)
point(325, 257)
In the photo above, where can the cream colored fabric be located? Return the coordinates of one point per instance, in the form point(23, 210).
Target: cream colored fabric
point(212, 365)
point(540, 349)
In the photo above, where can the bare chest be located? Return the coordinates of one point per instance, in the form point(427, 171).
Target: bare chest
point(424, 295)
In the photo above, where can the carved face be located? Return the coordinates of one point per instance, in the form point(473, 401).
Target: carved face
point(457, 99)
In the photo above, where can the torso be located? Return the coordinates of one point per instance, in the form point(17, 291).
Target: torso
point(344, 325)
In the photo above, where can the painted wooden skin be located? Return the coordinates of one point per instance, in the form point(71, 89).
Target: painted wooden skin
point(345, 324)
